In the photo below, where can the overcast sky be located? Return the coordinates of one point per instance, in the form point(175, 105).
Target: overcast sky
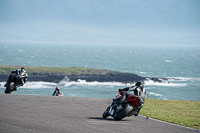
point(133, 22)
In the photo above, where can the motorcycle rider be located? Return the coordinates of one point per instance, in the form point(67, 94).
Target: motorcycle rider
point(21, 75)
point(57, 91)
point(138, 90)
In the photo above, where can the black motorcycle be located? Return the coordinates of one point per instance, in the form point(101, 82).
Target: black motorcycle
point(14, 82)
point(130, 107)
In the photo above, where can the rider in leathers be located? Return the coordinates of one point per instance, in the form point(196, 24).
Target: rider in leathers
point(56, 92)
point(138, 90)
point(21, 75)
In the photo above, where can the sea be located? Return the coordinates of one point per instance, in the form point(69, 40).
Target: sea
point(179, 63)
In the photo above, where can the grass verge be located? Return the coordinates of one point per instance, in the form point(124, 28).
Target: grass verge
point(181, 112)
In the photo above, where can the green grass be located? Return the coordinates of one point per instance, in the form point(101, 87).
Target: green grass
point(30, 69)
point(181, 112)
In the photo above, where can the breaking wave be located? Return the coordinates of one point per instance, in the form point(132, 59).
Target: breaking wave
point(41, 84)
point(183, 79)
point(167, 83)
point(155, 94)
point(168, 61)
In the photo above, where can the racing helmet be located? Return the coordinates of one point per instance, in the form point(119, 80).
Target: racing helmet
point(57, 88)
point(140, 85)
point(23, 69)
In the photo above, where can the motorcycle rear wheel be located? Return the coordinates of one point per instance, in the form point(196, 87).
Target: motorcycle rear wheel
point(9, 88)
point(123, 113)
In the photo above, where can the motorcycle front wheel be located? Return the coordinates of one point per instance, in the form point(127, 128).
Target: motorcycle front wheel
point(105, 113)
point(123, 113)
point(9, 88)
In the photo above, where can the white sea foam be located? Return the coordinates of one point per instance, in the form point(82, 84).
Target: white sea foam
point(168, 61)
point(146, 83)
point(183, 79)
point(155, 94)
point(143, 72)
point(35, 85)
point(152, 83)
point(84, 82)
point(2, 84)
point(41, 84)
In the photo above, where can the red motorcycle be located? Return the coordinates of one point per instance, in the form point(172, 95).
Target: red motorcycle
point(131, 106)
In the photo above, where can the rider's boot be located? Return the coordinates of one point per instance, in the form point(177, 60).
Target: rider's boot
point(15, 88)
point(137, 111)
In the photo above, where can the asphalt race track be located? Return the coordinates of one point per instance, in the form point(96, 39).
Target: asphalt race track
point(37, 113)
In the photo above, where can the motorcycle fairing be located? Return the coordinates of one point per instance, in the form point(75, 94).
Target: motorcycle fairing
point(133, 100)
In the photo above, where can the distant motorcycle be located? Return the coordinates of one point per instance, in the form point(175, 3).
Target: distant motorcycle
point(119, 110)
point(13, 84)
point(59, 94)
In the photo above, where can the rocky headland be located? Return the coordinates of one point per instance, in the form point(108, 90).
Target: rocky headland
point(86, 74)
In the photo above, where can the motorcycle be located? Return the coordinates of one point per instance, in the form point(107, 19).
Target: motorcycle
point(58, 94)
point(13, 83)
point(119, 110)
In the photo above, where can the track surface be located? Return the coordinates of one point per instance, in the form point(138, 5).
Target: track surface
point(34, 113)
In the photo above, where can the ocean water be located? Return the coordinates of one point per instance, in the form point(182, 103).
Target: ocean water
point(178, 62)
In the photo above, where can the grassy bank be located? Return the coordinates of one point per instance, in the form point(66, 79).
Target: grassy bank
point(30, 69)
point(181, 112)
